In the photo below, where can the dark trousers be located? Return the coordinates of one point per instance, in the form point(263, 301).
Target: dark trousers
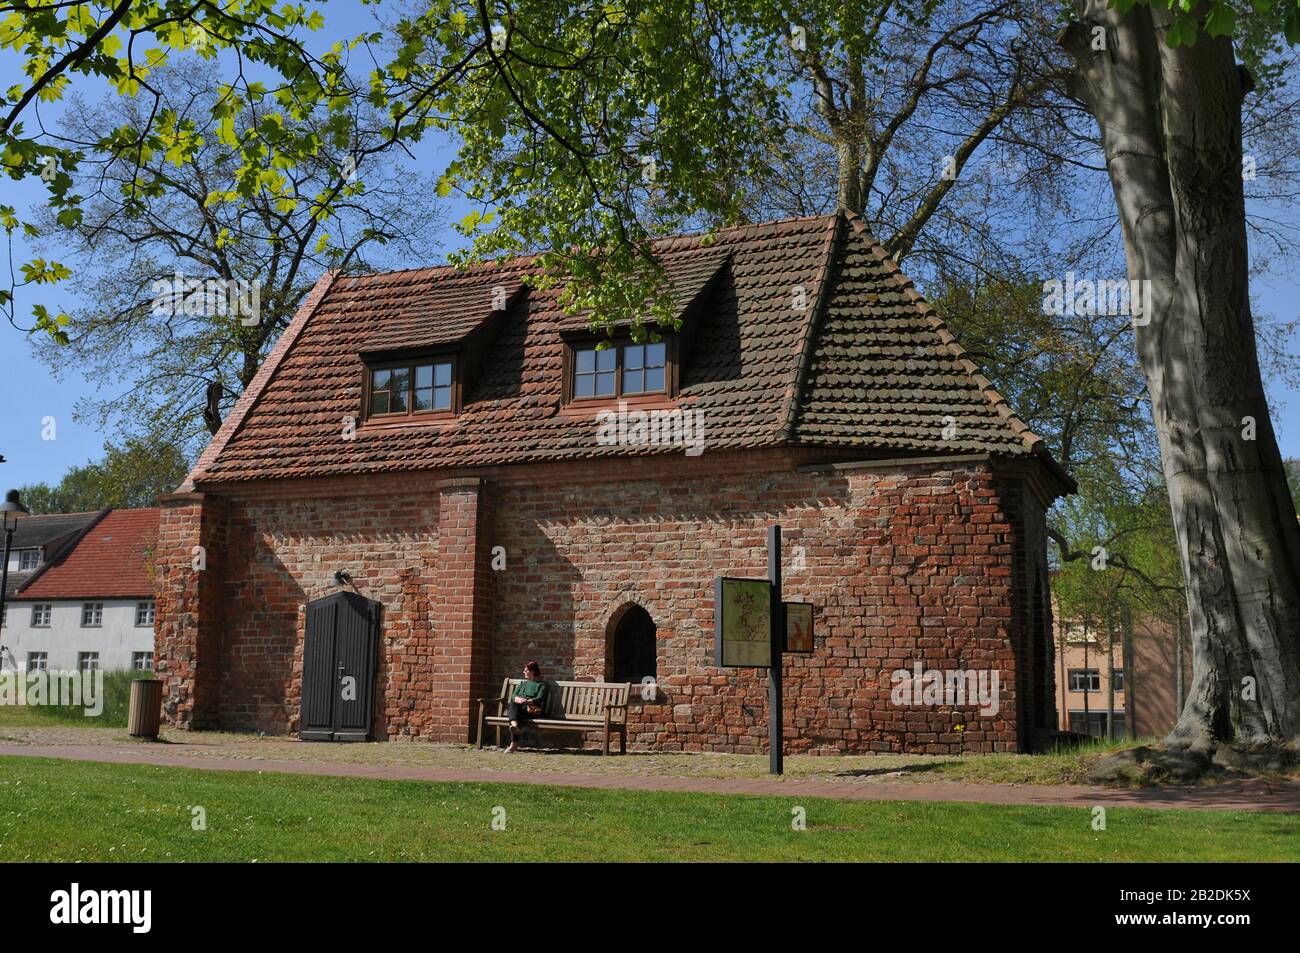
point(517, 712)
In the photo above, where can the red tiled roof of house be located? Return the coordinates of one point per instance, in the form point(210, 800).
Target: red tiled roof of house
point(803, 333)
point(110, 561)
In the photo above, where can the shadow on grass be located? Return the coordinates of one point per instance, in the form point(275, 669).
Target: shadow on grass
point(897, 769)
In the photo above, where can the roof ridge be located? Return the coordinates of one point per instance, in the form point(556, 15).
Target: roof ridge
point(808, 337)
point(522, 260)
point(42, 516)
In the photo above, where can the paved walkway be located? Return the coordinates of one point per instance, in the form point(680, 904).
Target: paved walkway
point(1254, 795)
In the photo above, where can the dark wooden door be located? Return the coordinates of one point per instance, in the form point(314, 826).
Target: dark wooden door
point(339, 655)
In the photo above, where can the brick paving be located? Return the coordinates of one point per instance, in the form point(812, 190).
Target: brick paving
point(1253, 795)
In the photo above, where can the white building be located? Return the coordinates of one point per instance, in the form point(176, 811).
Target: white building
point(88, 602)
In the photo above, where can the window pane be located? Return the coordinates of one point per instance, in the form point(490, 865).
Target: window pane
point(605, 384)
point(423, 399)
point(379, 380)
point(654, 379)
point(442, 398)
point(584, 362)
point(379, 402)
point(584, 385)
point(423, 376)
point(633, 356)
point(400, 380)
point(655, 354)
point(633, 381)
point(442, 375)
point(607, 359)
point(397, 400)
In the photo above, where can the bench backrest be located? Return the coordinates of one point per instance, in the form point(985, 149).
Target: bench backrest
point(577, 700)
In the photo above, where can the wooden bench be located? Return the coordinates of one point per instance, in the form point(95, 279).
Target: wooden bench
point(570, 706)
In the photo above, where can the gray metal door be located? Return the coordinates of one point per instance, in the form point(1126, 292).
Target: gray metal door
point(338, 668)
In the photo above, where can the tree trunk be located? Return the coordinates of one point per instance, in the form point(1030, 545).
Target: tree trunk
point(848, 161)
point(1130, 676)
point(1180, 686)
point(1087, 682)
point(1170, 121)
point(1110, 681)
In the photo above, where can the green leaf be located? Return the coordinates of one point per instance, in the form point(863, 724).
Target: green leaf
point(1221, 21)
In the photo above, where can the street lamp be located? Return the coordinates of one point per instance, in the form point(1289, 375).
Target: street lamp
point(11, 510)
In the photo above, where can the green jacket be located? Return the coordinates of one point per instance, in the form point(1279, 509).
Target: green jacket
point(535, 692)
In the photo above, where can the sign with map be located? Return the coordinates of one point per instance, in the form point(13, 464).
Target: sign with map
point(742, 622)
point(799, 627)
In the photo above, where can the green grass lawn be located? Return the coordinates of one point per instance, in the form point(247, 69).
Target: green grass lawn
point(71, 811)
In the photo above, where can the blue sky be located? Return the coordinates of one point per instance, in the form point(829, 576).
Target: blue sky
point(30, 392)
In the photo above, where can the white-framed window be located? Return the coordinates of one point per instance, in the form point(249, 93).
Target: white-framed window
point(41, 615)
point(88, 661)
point(38, 661)
point(144, 613)
point(92, 613)
point(1085, 680)
point(1093, 724)
point(28, 559)
point(142, 661)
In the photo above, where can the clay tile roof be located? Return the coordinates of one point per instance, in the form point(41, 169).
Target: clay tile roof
point(690, 272)
point(34, 531)
point(430, 307)
point(804, 332)
point(51, 532)
point(110, 561)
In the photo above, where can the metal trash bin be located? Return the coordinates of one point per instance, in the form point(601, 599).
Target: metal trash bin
point(145, 713)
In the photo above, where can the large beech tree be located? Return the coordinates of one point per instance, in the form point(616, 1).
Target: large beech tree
point(1167, 97)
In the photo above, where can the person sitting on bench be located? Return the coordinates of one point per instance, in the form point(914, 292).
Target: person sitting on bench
point(529, 701)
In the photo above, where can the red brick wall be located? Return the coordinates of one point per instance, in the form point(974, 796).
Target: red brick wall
point(188, 576)
point(902, 564)
point(1031, 618)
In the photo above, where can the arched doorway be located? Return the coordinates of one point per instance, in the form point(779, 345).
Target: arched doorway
point(631, 653)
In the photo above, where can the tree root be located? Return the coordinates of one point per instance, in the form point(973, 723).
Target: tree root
point(1146, 766)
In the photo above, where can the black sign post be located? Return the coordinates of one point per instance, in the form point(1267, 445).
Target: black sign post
point(775, 711)
point(745, 613)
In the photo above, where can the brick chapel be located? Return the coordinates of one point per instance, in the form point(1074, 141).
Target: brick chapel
point(454, 451)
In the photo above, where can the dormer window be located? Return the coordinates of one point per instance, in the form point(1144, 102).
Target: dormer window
point(620, 369)
point(400, 389)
